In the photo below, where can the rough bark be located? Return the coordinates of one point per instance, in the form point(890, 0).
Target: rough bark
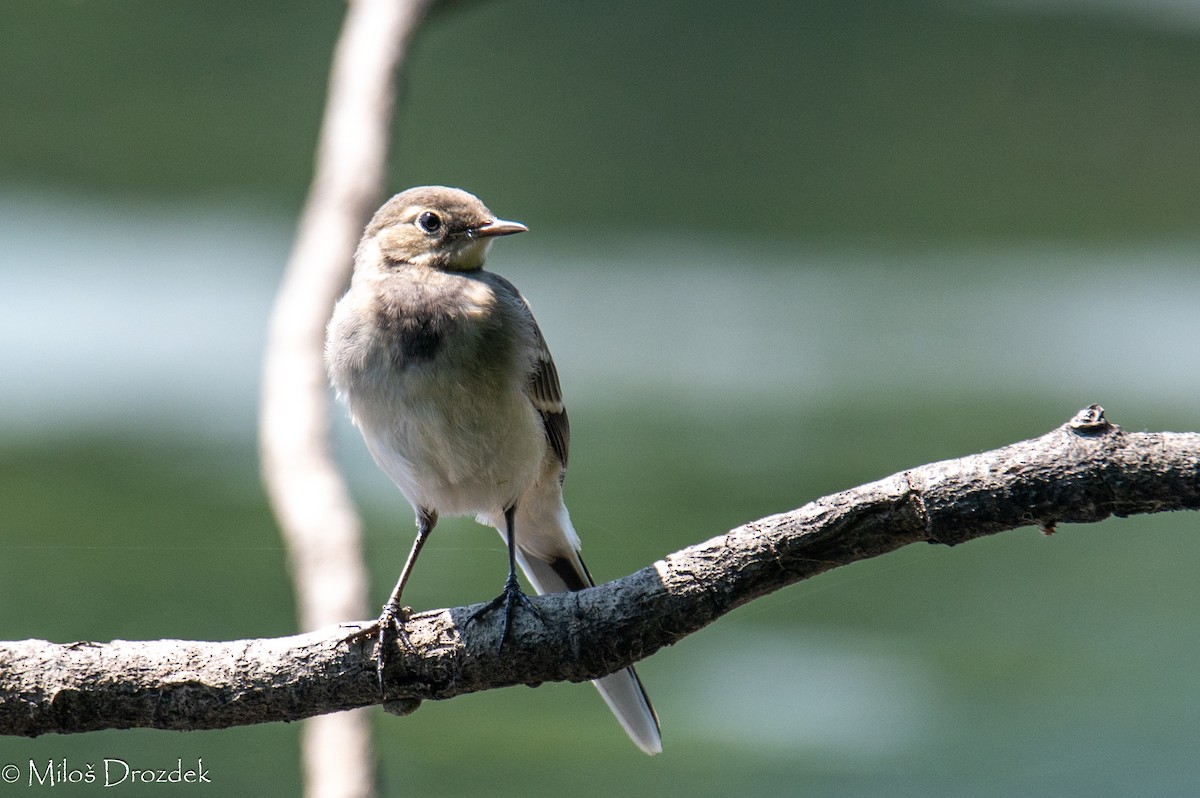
point(1082, 472)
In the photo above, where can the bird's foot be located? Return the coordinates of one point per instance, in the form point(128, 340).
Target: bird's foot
point(387, 630)
point(508, 599)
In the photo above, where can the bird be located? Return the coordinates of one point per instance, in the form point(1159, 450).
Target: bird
point(448, 377)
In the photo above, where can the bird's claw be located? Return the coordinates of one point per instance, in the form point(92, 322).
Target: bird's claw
point(388, 629)
point(391, 629)
point(508, 599)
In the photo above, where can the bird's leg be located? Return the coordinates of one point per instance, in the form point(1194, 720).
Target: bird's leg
point(512, 594)
point(390, 626)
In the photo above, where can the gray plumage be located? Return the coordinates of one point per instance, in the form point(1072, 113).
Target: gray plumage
point(446, 373)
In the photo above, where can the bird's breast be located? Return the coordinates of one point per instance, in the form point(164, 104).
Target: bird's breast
point(436, 382)
point(460, 321)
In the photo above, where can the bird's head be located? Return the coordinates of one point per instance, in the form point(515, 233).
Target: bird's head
point(434, 226)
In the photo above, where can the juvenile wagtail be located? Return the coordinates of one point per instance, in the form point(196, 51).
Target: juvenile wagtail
point(447, 375)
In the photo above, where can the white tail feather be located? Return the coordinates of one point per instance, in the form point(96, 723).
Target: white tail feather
point(622, 691)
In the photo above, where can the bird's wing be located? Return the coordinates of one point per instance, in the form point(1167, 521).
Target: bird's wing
point(543, 389)
point(546, 395)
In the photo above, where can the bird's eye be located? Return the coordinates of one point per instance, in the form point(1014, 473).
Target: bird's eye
point(429, 222)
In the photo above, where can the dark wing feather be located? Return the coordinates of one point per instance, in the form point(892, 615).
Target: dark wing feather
point(546, 395)
point(543, 389)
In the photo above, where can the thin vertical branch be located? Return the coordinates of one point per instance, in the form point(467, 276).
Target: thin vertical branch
point(316, 515)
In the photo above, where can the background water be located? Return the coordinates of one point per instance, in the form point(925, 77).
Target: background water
point(776, 253)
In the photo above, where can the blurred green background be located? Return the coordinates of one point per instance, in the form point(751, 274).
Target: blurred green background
point(778, 249)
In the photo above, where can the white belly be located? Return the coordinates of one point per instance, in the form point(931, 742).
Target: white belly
point(460, 447)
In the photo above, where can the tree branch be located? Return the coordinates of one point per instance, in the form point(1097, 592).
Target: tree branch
point(308, 495)
point(1082, 472)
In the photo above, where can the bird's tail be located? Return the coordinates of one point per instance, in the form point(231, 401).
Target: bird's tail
point(551, 562)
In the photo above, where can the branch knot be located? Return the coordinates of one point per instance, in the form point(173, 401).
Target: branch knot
point(1091, 421)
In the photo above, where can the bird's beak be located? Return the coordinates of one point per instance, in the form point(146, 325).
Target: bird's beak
point(497, 227)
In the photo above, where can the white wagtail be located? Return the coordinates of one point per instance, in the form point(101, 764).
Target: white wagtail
point(447, 375)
